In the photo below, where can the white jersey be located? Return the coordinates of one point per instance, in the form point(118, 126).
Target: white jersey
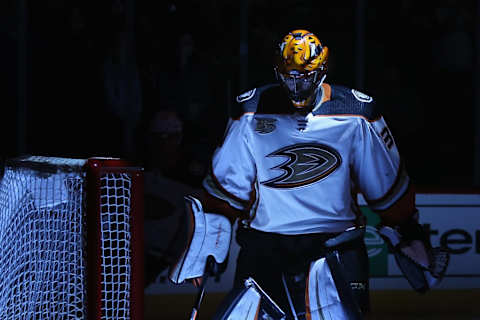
point(298, 174)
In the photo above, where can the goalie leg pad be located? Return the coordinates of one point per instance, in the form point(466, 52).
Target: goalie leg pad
point(210, 234)
point(322, 297)
point(249, 303)
point(334, 286)
point(338, 283)
point(318, 296)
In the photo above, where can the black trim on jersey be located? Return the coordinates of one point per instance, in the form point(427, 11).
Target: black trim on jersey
point(268, 99)
point(252, 210)
point(225, 193)
point(274, 100)
point(401, 173)
point(407, 190)
point(343, 102)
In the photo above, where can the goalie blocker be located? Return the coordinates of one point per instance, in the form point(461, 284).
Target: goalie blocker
point(209, 238)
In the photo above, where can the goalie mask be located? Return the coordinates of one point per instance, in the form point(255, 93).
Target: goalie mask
point(301, 66)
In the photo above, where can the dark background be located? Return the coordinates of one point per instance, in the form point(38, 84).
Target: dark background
point(416, 58)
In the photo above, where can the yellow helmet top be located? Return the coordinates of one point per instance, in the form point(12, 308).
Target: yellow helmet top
point(302, 51)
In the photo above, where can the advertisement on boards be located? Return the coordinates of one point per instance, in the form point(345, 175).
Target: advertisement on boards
point(451, 220)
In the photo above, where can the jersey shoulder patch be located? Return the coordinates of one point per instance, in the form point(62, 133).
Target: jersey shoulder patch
point(250, 101)
point(246, 95)
point(362, 97)
point(347, 101)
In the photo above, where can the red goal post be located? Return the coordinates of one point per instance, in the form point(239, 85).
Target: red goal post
point(71, 239)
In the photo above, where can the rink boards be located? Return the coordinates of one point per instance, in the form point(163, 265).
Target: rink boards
point(452, 220)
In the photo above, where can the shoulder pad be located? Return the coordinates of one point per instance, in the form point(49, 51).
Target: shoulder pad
point(275, 100)
point(346, 101)
point(252, 100)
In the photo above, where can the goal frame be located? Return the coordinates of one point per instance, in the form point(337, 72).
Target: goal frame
point(105, 229)
point(95, 168)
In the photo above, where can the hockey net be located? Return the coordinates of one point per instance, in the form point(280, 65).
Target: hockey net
point(70, 239)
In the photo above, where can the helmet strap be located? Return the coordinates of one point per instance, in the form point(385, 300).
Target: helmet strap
point(318, 94)
point(323, 79)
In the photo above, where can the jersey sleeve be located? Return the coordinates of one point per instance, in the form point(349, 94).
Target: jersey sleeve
point(233, 170)
point(380, 174)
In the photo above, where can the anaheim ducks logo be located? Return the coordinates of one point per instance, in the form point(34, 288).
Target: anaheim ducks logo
point(306, 164)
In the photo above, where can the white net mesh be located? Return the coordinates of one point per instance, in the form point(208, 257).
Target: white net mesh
point(43, 241)
point(42, 265)
point(115, 245)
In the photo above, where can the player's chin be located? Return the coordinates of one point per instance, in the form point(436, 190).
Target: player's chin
point(300, 104)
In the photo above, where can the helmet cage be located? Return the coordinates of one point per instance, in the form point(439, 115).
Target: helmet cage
point(300, 86)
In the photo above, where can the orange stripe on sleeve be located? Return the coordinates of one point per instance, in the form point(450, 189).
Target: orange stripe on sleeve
point(401, 210)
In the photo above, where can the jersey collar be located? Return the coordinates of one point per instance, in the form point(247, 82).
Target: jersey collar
point(323, 95)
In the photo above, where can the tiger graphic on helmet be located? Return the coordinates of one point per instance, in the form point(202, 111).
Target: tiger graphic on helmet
point(301, 65)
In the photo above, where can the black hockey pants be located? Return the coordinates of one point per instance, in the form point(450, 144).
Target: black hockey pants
point(267, 257)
